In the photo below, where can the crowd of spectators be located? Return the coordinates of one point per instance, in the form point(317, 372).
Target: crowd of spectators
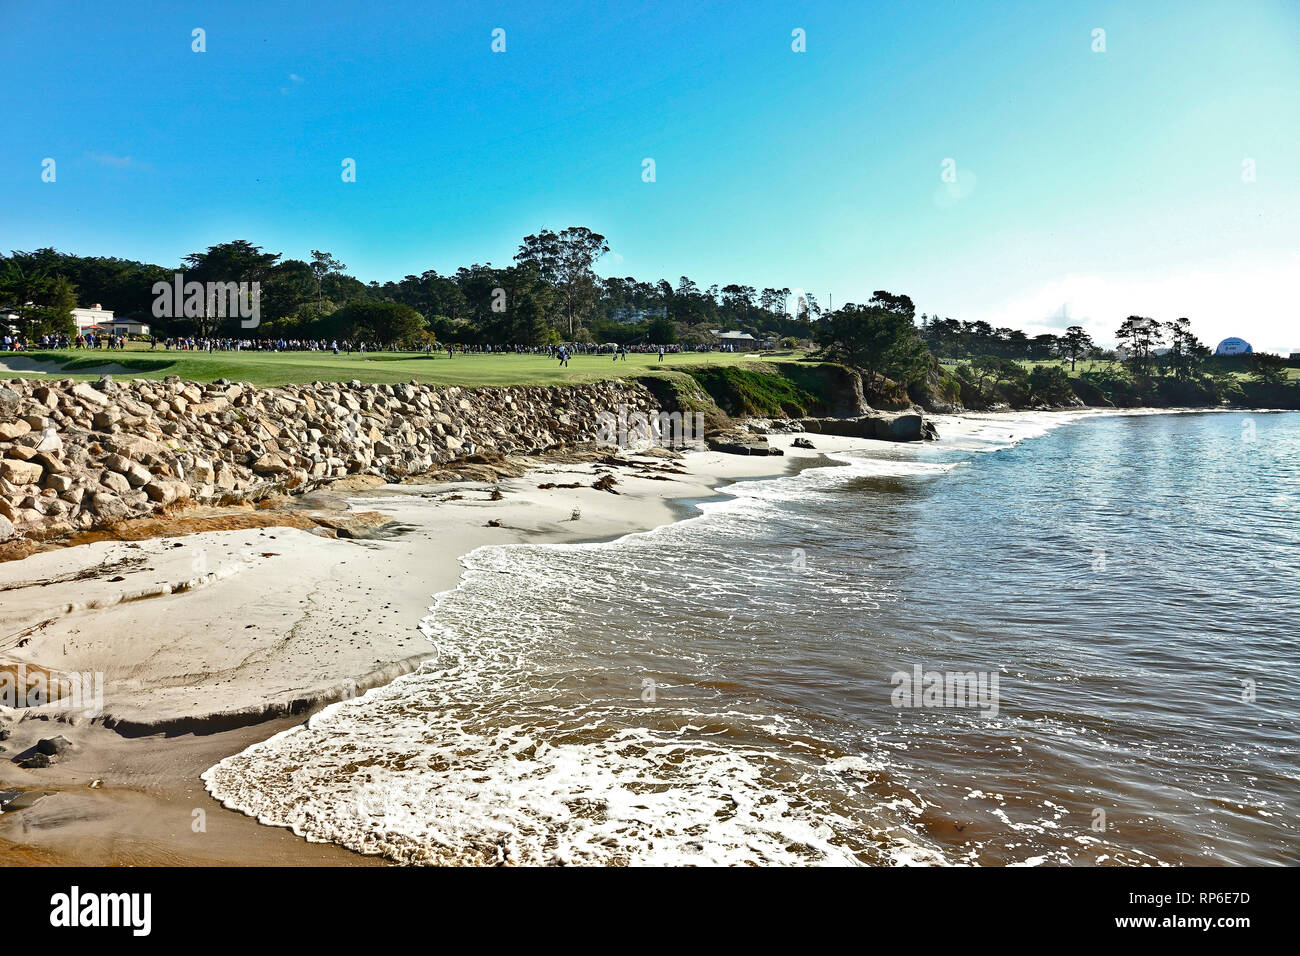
point(89, 339)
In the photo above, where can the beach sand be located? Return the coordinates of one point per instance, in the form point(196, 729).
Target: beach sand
point(211, 641)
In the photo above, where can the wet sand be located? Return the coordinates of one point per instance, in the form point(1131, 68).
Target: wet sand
point(213, 640)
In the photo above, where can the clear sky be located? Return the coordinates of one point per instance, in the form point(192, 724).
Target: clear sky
point(1089, 185)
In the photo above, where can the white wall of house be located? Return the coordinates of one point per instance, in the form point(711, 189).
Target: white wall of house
point(95, 315)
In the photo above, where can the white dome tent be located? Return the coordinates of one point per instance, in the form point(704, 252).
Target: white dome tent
point(1233, 346)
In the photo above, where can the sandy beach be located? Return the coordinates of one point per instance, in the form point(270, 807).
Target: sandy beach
point(211, 640)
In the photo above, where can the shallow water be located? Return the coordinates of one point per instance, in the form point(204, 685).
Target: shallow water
point(728, 689)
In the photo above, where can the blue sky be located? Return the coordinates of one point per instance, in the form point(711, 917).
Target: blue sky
point(1089, 184)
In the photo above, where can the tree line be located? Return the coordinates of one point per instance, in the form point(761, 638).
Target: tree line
point(952, 339)
point(549, 293)
point(1156, 362)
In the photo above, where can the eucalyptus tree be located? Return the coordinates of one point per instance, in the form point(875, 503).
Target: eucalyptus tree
point(565, 260)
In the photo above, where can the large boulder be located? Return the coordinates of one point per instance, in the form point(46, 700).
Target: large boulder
point(115, 482)
point(136, 475)
point(10, 402)
point(108, 506)
point(166, 490)
point(136, 447)
point(863, 427)
point(21, 472)
point(89, 394)
point(58, 483)
point(49, 462)
point(737, 442)
point(906, 427)
point(271, 464)
point(53, 746)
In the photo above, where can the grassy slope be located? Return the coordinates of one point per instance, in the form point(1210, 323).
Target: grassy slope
point(271, 368)
point(753, 390)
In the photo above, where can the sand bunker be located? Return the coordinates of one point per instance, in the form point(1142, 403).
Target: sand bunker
point(18, 363)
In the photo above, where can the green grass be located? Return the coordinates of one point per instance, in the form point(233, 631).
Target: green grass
point(753, 390)
point(285, 368)
point(297, 368)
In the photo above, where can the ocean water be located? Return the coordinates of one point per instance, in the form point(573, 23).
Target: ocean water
point(1118, 594)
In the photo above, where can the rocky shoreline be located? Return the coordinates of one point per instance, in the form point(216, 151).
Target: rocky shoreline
point(77, 456)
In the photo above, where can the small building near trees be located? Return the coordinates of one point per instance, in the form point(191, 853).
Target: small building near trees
point(739, 341)
point(101, 321)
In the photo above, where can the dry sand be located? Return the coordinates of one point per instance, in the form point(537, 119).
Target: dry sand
point(211, 641)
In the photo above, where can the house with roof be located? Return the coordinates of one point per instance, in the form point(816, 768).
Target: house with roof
point(739, 341)
point(101, 321)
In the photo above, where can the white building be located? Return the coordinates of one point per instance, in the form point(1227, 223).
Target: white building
point(101, 320)
point(125, 326)
point(96, 315)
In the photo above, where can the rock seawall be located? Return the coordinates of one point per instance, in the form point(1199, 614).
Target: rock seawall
point(77, 455)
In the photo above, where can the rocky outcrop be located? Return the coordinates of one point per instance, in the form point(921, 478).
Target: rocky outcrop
point(937, 391)
point(748, 438)
point(908, 426)
point(838, 387)
point(740, 441)
point(1089, 394)
point(53, 746)
point(76, 455)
